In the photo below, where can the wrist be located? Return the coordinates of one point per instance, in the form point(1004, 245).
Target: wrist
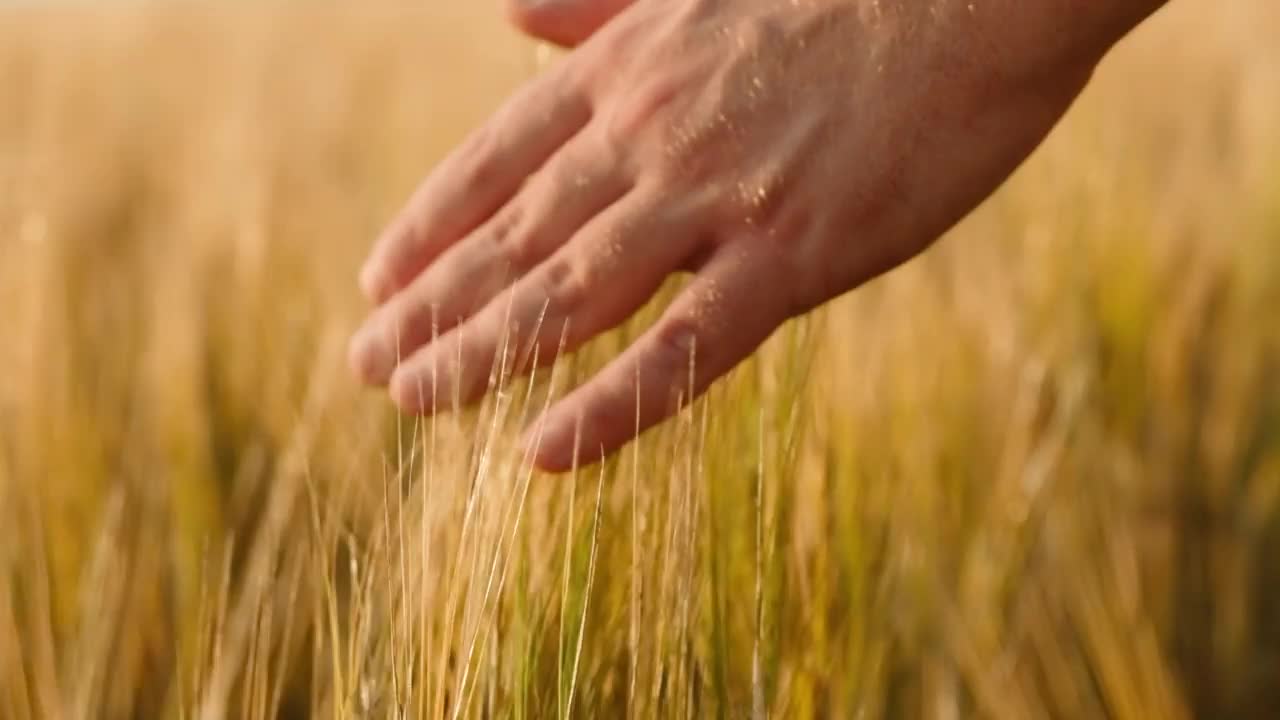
point(1026, 39)
point(1093, 27)
point(1074, 33)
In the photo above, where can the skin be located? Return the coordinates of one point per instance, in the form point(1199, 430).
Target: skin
point(783, 151)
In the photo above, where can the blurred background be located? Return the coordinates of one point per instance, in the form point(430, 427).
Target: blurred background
point(1036, 473)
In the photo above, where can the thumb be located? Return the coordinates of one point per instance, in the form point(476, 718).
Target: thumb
point(563, 22)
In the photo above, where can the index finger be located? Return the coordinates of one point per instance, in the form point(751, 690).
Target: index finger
point(476, 180)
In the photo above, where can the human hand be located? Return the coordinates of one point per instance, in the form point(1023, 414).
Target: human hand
point(784, 151)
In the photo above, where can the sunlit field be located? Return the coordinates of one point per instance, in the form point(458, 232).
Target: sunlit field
point(1034, 474)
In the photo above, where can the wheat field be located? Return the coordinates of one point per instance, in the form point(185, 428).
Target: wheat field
point(1035, 473)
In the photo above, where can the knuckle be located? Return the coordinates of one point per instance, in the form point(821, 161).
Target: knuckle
point(574, 170)
point(675, 346)
point(515, 243)
point(579, 174)
point(695, 151)
point(638, 111)
point(576, 79)
point(759, 203)
point(687, 164)
point(565, 286)
point(702, 9)
point(757, 35)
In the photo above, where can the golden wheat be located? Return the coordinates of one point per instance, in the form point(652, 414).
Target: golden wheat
point(1034, 474)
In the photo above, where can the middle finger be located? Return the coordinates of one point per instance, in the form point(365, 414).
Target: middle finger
point(580, 182)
